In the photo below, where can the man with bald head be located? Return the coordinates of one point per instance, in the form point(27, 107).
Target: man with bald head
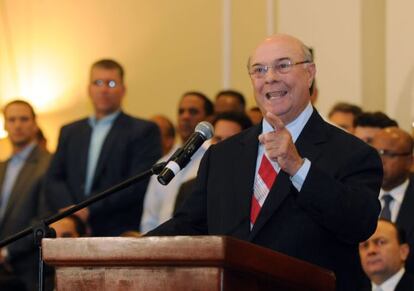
point(395, 147)
point(292, 183)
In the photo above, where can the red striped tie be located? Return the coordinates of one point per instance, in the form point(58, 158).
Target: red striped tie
point(262, 184)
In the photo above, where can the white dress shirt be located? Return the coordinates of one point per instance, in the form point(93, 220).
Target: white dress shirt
point(160, 199)
point(390, 283)
point(397, 194)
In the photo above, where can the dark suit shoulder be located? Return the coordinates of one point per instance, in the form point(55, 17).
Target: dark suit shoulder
point(318, 126)
point(247, 135)
point(406, 283)
point(136, 121)
point(75, 125)
point(344, 137)
point(123, 119)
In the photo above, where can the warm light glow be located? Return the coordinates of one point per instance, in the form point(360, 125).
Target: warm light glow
point(44, 87)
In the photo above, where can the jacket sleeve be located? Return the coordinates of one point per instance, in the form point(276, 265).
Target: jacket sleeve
point(345, 201)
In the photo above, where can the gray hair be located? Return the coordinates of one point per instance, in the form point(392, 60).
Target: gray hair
point(307, 53)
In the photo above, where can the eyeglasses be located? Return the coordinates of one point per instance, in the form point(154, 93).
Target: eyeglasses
point(101, 83)
point(391, 154)
point(282, 66)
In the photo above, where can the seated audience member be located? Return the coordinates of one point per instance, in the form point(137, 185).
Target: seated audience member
point(343, 115)
point(367, 124)
point(395, 147)
point(70, 226)
point(20, 184)
point(100, 151)
point(193, 108)
point(229, 101)
point(167, 132)
point(255, 115)
point(225, 125)
point(382, 258)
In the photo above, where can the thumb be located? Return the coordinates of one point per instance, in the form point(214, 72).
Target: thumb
point(275, 121)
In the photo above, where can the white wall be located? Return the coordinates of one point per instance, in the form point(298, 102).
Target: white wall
point(333, 29)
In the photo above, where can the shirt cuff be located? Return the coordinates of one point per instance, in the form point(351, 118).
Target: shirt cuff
point(299, 178)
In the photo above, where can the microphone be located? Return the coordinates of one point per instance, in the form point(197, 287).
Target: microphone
point(203, 131)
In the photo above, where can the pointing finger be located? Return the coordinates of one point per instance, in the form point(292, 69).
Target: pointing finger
point(275, 121)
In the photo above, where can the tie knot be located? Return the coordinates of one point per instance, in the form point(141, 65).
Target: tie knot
point(387, 198)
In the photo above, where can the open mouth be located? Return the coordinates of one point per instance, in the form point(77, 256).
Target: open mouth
point(276, 94)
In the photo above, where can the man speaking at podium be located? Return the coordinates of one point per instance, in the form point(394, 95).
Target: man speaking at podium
point(293, 183)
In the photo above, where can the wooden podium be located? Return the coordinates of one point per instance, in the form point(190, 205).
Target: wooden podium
point(178, 263)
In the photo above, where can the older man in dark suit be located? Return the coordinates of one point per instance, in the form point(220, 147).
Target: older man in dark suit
point(293, 183)
point(20, 179)
point(98, 152)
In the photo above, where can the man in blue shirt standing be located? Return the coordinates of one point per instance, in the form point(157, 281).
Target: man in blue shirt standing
point(100, 151)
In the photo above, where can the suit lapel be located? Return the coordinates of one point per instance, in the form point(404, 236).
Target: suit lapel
point(83, 147)
point(244, 171)
point(405, 215)
point(405, 283)
point(312, 135)
point(24, 179)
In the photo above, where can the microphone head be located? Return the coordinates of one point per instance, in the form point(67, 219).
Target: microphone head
point(205, 128)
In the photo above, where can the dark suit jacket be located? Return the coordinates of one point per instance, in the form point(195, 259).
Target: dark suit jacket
point(131, 147)
point(406, 284)
point(183, 193)
point(405, 220)
point(22, 208)
point(336, 208)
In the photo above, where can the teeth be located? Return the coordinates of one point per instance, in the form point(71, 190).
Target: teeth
point(276, 94)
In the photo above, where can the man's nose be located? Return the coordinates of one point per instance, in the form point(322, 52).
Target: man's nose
point(372, 249)
point(185, 114)
point(272, 75)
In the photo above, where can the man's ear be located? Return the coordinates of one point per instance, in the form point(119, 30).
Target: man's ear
point(311, 69)
point(404, 251)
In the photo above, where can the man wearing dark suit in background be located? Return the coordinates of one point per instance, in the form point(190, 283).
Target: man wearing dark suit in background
point(397, 192)
point(20, 180)
point(322, 198)
point(382, 258)
point(98, 152)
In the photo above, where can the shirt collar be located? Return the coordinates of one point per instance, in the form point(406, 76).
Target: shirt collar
point(23, 155)
point(109, 119)
point(397, 193)
point(296, 126)
point(390, 283)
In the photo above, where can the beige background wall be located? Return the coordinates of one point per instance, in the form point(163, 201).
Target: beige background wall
point(364, 51)
point(400, 60)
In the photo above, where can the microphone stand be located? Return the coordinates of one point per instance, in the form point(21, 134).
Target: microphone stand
point(42, 230)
